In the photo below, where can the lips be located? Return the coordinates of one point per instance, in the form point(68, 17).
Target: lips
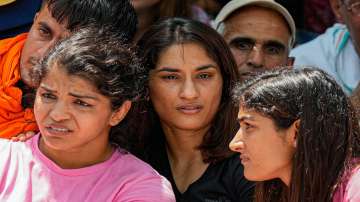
point(57, 130)
point(244, 159)
point(189, 108)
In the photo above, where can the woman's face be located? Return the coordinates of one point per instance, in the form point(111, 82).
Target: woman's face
point(266, 151)
point(186, 87)
point(72, 115)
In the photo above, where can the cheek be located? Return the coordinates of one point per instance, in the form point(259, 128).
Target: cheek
point(162, 93)
point(40, 110)
point(239, 56)
point(275, 62)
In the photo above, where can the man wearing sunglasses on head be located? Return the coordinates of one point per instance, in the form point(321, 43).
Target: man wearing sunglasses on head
point(337, 51)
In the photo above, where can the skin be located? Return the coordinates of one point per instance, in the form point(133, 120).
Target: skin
point(180, 87)
point(74, 120)
point(259, 39)
point(351, 20)
point(185, 89)
point(43, 35)
point(266, 151)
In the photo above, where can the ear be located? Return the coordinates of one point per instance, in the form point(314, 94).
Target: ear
point(293, 133)
point(120, 113)
point(290, 61)
point(336, 8)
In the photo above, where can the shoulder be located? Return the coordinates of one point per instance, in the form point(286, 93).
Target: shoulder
point(352, 192)
point(324, 47)
point(10, 147)
point(142, 182)
point(232, 172)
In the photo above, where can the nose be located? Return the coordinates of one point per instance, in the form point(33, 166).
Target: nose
point(59, 112)
point(189, 90)
point(255, 58)
point(237, 144)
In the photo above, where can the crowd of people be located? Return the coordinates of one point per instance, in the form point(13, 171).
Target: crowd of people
point(154, 100)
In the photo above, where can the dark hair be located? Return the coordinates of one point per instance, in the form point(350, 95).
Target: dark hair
point(355, 98)
point(174, 8)
point(328, 137)
point(111, 66)
point(181, 31)
point(118, 15)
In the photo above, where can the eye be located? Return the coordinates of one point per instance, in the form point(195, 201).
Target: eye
point(243, 45)
point(246, 126)
point(204, 76)
point(169, 77)
point(82, 103)
point(44, 32)
point(273, 50)
point(48, 96)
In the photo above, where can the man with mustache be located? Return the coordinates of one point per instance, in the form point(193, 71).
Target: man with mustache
point(260, 34)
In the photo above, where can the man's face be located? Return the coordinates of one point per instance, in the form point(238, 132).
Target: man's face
point(351, 17)
point(259, 39)
point(43, 35)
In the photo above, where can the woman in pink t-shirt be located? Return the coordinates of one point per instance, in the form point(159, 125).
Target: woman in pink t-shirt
point(84, 91)
point(298, 137)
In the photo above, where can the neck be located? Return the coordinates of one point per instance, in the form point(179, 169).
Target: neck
point(182, 145)
point(76, 158)
point(145, 20)
point(286, 177)
point(185, 159)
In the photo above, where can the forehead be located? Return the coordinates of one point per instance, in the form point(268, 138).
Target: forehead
point(260, 24)
point(181, 55)
point(58, 77)
point(44, 16)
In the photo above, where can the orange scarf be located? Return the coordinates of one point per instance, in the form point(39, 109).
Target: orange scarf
point(13, 118)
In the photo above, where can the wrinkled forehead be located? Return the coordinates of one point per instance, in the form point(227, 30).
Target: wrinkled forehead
point(254, 18)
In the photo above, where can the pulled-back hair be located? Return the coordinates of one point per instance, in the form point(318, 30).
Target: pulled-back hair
point(111, 66)
point(328, 138)
point(118, 15)
point(175, 31)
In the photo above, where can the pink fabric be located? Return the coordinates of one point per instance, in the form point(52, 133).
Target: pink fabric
point(28, 175)
point(349, 191)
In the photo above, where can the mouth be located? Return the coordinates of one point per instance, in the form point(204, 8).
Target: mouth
point(248, 74)
point(189, 109)
point(244, 159)
point(57, 130)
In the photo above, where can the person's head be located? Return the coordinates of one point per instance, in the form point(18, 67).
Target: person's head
point(298, 134)
point(58, 18)
point(191, 75)
point(260, 34)
point(348, 12)
point(85, 89)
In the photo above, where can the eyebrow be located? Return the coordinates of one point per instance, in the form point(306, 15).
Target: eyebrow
point(83, 96)
point(241, 39)
point(252, 41)
point(71, 94)
point(246, 117)
point(200, 68)
point(274, 43)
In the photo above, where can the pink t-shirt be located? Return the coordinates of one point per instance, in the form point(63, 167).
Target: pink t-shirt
point(28, 175)
point(349, 191)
